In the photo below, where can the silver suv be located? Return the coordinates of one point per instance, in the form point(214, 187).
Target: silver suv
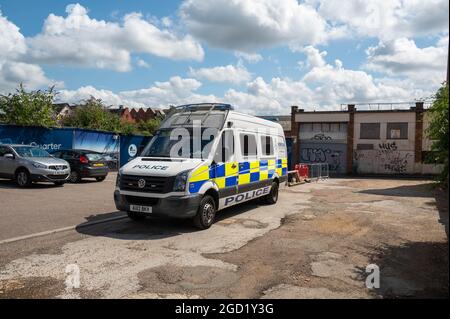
point(26, 164)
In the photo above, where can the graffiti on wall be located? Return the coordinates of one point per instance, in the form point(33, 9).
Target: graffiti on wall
point(386, 159)
point(321, 155)
point(387, 147)
point(321, 137)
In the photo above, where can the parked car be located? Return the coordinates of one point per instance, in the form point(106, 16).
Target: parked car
point(27, 164)
point(83, 164)
point(112, 160)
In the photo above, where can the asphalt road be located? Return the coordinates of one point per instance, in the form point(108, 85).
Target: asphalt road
point(316, 242)
point(44, 207)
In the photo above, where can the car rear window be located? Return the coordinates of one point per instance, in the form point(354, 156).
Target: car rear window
point(94, 156)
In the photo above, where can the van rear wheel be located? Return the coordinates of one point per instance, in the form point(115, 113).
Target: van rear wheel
point(272, 197)
point(206, 213)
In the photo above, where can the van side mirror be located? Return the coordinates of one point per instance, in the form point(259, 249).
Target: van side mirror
point(9, 155)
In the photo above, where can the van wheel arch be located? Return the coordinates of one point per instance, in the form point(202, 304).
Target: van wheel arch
point(276, 180)
point(214, 194)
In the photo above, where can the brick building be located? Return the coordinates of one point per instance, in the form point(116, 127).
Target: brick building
point(132, 115)
point(390, 141)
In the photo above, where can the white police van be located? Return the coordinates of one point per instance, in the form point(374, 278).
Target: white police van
point(203, 158)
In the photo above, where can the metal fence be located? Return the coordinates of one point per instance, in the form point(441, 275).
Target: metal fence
point(318, 171)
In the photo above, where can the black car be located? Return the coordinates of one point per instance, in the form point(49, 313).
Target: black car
point(84, 163)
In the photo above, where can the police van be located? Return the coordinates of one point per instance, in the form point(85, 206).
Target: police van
point(204, 158)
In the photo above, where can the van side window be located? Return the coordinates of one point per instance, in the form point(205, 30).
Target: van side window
point(267, 145)
point(225, 148)
point(248, 144)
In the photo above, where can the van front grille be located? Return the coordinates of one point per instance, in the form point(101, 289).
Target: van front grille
point(149, 184)
point(145, 201)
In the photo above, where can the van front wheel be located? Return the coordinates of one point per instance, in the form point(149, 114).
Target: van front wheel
point(272, 197)
point(206, 213)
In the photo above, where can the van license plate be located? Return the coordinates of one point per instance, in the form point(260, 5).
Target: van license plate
point(141, 209)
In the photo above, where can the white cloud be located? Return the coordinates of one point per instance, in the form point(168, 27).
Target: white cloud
point(12, 70)
point(247, 25)
point(324, 86)
point(143, 64)
point(12, 42)
point(85, 92)
point(387, 20)
point(249, 57)
point(335, 85)
point(80, 40)
point(401, 57)
point(314, 58)
point(162, 94)
point(228, 73)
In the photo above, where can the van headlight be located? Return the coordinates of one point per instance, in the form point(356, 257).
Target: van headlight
point(179, 184)
point(39, 165)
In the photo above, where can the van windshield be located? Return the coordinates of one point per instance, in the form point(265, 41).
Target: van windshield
point(180, 143)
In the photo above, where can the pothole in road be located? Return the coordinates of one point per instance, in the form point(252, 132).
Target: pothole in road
point(247, 223)
point(199, 280)
point(31, 287)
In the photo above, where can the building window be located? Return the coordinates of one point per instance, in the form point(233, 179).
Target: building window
point(369, 131)
point(364, 147)
point(397, 131)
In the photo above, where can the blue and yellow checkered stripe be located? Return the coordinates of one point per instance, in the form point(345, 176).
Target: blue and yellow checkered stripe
point(226, 174)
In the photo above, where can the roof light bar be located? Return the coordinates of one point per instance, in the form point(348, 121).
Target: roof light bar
point(207, 106)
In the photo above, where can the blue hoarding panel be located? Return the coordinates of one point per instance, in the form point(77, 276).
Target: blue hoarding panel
point(131, 146)
point(107, 143)
point(48, 139)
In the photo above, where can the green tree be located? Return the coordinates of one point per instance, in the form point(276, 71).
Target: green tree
point(438, 131)
point(148, 127)
point(28, 108)
point(93, 115)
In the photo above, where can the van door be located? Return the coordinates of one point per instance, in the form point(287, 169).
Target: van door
point(251, 173)
point(225, 165)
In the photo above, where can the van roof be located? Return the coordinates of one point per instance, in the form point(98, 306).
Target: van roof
point(251, 122)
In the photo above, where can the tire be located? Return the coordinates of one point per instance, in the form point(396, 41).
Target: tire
point(206, 213)
point(59, 183)
point(74, 177)
point(100, 179)
point(272, 197)
point(136, 216)
point(23, 178)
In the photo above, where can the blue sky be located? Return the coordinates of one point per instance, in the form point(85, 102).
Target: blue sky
point(315, 54)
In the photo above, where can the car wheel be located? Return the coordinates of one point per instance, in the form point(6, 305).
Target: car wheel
point(206, 213)
point(135, 216)
point(23, 178)
point(100, 179)
point(272, 197)
point(74, 177)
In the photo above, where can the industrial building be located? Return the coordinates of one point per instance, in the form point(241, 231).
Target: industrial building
point(363, 141)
